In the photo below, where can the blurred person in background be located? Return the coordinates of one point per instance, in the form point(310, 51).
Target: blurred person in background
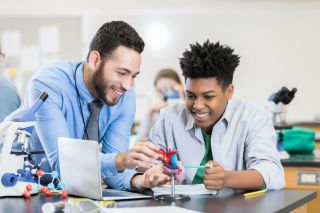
point(9, 97)
point(169, 90)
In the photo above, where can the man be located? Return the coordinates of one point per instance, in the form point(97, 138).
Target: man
point(96, 92)
point(9, 97)
point(233, 139)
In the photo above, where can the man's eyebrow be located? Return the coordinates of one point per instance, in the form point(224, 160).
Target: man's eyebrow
point(124, 69)
point(128, 71)
point(137, 73)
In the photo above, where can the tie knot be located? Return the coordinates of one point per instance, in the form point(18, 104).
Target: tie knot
point(95, 106)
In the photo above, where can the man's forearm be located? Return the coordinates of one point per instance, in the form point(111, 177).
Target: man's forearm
point(250, 179)
point(119, 161)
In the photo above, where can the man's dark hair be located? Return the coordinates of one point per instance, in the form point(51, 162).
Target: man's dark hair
point(210, 60)
point(113, 34)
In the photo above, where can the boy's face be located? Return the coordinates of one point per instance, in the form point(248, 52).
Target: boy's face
point(206, 100)
point(116, 74)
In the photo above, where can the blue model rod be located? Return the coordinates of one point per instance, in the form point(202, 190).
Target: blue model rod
point(194, 166)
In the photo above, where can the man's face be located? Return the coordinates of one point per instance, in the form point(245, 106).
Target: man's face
point(206, 100)
point(116, 74)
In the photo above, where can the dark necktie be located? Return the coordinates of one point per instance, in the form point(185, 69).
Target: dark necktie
point(92, 128)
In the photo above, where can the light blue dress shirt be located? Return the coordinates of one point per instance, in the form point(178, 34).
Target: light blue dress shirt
point(60, 116)
point(244, 138)
point(9, 98)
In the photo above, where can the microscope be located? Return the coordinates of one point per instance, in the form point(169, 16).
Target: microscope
point(16, 172)
point(171, 96)
point(278, 101)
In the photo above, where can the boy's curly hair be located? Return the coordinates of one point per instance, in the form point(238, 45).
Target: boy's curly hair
point(210, 60)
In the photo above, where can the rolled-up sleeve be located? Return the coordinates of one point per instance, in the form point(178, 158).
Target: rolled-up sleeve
point(110, 175)
point(261, 153)
point(116, 140)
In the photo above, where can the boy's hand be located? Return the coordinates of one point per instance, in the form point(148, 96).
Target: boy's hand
point(214, 179)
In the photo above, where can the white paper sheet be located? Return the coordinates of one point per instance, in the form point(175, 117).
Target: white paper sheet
point(196, 189)
point(155, 209)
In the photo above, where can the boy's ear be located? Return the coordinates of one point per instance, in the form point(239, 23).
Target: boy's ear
point(229, 91)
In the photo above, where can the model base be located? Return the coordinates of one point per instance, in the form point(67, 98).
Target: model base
point(168, 197)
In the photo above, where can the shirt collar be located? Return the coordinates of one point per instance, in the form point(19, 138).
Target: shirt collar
point(225, 117)
point(85, 95)
point(190, 120)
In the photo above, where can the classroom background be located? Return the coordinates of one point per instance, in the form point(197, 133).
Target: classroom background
point(278, 41)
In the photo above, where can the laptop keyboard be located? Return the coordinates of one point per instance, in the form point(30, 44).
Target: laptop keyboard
point(106, 193)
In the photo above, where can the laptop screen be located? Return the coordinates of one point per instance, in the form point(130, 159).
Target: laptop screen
point(80, 167)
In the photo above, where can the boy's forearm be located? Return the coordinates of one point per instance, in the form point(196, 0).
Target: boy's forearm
point(250, 179)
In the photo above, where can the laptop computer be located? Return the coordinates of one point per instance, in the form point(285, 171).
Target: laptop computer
point(80, 171)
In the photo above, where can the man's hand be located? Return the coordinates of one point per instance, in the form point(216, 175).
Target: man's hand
point(142, 155)
point(214, 179)
point(153, 177)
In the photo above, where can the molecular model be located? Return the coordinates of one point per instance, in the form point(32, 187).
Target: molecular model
point(50, 188)
point(27, 193)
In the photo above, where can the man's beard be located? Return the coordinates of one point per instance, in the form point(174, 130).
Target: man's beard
point(100, 85)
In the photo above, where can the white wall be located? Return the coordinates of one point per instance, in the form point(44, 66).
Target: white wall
point(278, 41)
point(68, 45)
